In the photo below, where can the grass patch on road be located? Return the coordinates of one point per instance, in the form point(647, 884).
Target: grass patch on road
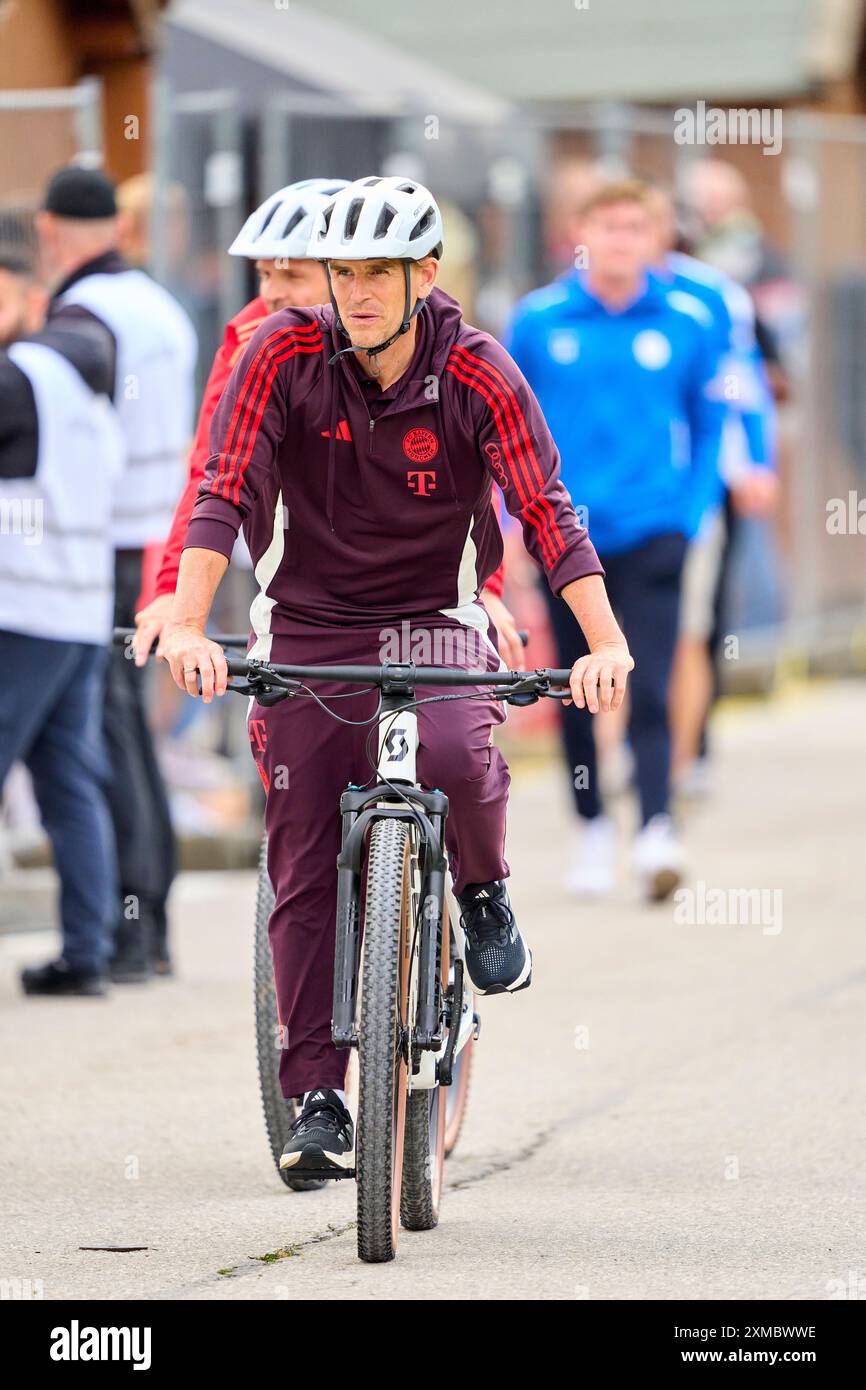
point(288, 1252)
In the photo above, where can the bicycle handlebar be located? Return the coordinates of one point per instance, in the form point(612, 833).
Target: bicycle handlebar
point(375, 675)
point(541, 679)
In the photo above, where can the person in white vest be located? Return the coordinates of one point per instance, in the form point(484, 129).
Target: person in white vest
point(61, 451)
point(155, 350)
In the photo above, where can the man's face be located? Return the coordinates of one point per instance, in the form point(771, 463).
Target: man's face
point(619, 240)
point(292, 284)
point(371, 296)
point(21, 305)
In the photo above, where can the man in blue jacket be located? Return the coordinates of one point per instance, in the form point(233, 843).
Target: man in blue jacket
point(750, 485)
point(621, 372)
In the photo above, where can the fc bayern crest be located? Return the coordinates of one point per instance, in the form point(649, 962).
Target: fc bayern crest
point(420, 445)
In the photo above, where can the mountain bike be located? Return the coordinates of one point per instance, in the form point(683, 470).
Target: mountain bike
point(401, 995)
point(279, 1113)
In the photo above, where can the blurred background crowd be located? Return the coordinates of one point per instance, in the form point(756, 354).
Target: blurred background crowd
point(513, 116)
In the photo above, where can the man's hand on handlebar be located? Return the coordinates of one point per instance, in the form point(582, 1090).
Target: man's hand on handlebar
point(598, 681)
point(192, 655)
point(150, 623)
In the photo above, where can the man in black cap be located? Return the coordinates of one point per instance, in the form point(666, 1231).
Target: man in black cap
point(60, 445)
point(154, 349)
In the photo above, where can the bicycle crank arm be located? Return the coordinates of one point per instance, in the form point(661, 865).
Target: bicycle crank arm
point(444, 1071)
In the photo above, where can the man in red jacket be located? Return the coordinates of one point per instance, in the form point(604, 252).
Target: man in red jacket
point(276, 237)
point(359, 444)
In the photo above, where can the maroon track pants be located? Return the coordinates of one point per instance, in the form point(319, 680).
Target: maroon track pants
point(306, 759)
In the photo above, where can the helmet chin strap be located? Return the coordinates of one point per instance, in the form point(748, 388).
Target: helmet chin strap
point(372, 352)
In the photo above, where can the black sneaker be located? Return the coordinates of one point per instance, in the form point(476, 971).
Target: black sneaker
point(57, 978)
point(497, 959)
point(159, 952)
point(299, 1184)
point(321, 1141)
point(132, 961)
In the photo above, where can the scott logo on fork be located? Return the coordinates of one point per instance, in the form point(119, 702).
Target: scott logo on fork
point(396, 746)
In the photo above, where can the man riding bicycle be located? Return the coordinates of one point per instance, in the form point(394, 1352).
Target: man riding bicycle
point(275, 237)
point(375, 429)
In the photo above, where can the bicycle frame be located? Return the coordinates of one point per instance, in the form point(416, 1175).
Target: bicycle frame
point(398, 794)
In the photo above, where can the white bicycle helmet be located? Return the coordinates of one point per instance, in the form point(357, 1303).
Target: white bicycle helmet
point(280, 228)
point(378, 219)
point(393, 218)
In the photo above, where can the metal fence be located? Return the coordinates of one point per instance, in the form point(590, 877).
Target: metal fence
point(214, 160)
point(801, 581)
point(39, 131)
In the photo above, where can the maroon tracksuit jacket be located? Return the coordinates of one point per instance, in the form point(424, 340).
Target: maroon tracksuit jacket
point(374, 510)
point(386, 505)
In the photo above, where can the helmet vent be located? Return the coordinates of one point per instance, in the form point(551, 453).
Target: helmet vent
point(352, 217)
point(386, 217)
point(269, 219)
point(297, 216)
point(423, 225)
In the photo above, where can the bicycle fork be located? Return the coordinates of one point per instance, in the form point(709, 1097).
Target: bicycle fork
point(399, 797)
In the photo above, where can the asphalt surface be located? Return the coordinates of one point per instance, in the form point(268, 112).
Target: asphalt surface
point(675, 1109)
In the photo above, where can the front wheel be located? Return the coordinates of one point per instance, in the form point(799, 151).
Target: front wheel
point(382, 1039)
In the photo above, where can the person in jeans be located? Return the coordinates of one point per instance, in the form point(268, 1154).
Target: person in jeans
point(60, 455)
point(621, 371)
point(154, 349)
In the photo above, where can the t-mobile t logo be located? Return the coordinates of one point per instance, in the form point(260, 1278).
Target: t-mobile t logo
point(417, 481)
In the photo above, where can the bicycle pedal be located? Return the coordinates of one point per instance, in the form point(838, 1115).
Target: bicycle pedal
point(320, 1175)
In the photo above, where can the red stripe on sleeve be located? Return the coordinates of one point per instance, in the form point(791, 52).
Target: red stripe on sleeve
point(526, 502)
point(496, 379)
point(257, 409)
point(251, 384)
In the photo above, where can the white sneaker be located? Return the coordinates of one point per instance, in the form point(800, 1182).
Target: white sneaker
point(695, 782)
point(659, 858)
point(592, 873)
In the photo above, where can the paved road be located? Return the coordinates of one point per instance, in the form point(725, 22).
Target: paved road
point(674, 1110)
